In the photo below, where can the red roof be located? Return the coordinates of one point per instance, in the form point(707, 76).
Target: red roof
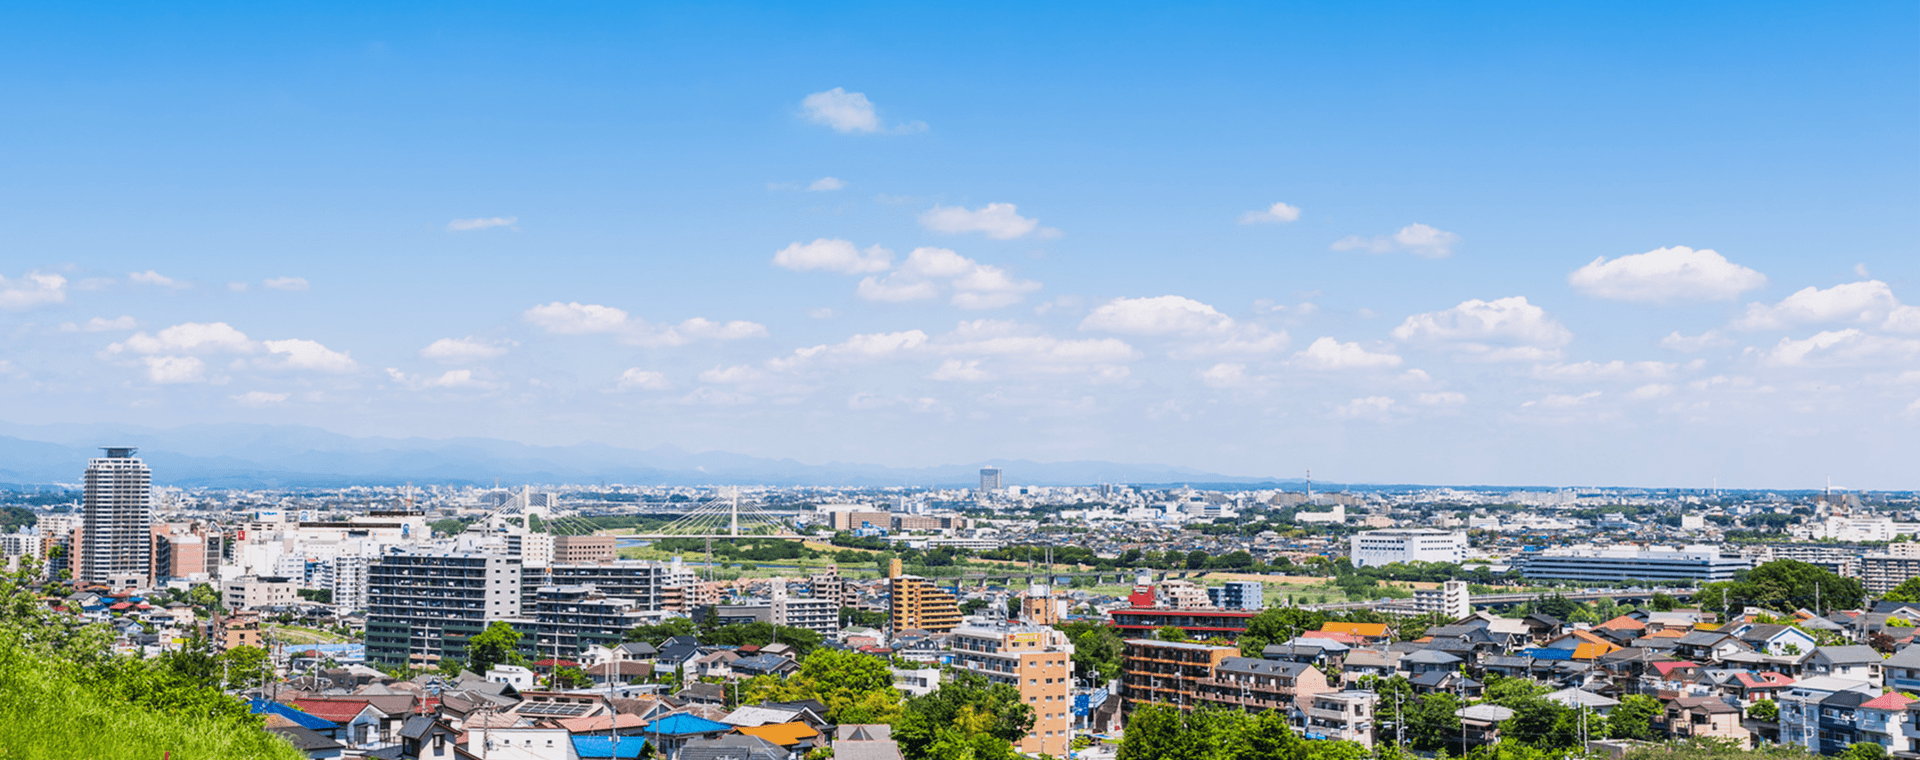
point(1892, 700)
point(548, 663)
point(336, 710)
point(1667, 668)
point(120, 606)
point(1623, 623)
point(1762, 680)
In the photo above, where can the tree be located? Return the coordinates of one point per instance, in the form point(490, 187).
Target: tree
point(498, 644)
point(1663, 602)
point(1864, 751)
point(1197, 560)
point(1171, 633)
point(1556, 605)
point(1276, 625)
point(569, 678)
point(855, 687)
point(1431, 724)
point(658, 633)
point(246, 666)
point(1907, 591)
point(1633, 718)
point(1764, 709)
point(967, 718)
point(1097, 649)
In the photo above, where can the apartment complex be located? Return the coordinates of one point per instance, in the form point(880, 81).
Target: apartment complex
point(1238, 595)
point(919, 605)
point(1169, 672)
point(1451, 600)
point(568, 619)
point(1385, 547)
point(249, 593)
point(644, 582)
point(422, 607)
point(1880, 573)
point(1033, 657)
point(116, 533)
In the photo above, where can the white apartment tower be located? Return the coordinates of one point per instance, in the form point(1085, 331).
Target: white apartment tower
point(990, 479)
point(115, 533)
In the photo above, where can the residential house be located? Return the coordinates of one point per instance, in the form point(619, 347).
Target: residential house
point(1807, 722)
point(1774, 639)
point(1882, 721)
point(1857, 662)
point(1360, 663)
point(1708, 646)
point(1704, 718)
point(861, 741)
point(1341, 716)
point(1902, 670)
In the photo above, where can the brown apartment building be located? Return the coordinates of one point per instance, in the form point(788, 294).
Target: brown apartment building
point(920, 605)
point(1035, 658)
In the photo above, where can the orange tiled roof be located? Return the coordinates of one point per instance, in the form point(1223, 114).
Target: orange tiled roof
point(1369, 630)
point(1592, 651)
point(1623, 623)
point(783, 734)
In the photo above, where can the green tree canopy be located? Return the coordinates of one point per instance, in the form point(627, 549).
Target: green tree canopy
point(1097, 649)
point(498, 644)
point(855, 687)
point(658, 633)
point(1633, 718)
point(967, 718)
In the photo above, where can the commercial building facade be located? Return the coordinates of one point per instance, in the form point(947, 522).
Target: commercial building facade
point(1692, 564)
point(1385, 547)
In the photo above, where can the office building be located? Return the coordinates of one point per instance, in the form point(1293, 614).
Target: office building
point(919, 605)
point(851, 520)
point(1385, 547)
point(1451, 600)
point(1238, 595)
point(424, 607)
point(116, 534)
point(252, 593)
point(582, 550)
point(1692, 564)
point(990, 479)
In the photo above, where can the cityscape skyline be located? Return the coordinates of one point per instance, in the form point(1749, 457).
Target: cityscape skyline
point(1477, 246)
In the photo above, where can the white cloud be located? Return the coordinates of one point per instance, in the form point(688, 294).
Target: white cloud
point(586, 319)
point(1840, 348)
point(1693, 343)
point(739, 373)
point(822, 312)
point(1864, 302)
point(1905, 319)
point(1650, 391)
point(260, 398)
point(168, 370)
point(1029, 348)
point(465, 349)
point(287, 283)
point(1370, 407)
point(1562, 400)
point(456, 378)
point(481, 223)
point(1664, 275)
point(307, 354)
point(1443, 398)
point(33, 289)
point(960, 371)
point(843, 111)
point(1613, 370)
point(1418, 239)
point(637, 379)
point(974, 285)
point(101, 324)
point(1208, 331)
point(825, 184)
point(238, 287)
point(576, 318)
point(157, 279)
point(1000, 221)
point(1329, 354)
point(1507, 329)
point(1278, 213)
point(833, 256)
point(863, 347)
point(1228, 375)
point(187, 337)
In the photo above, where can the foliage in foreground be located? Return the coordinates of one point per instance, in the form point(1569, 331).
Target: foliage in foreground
point(62, 695)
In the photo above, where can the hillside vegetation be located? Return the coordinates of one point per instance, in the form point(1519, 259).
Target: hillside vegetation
point(63, 696)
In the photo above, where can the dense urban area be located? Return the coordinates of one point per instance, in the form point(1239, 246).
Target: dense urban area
point(988, 621)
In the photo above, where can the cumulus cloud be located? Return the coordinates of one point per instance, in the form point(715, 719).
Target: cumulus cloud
point(452, 379)
point(864, 347)
point(1692, 343)
point(739, 373)
point(833, 255)
point(309, 355)
point(481, 223)
point(168, 370)
point(1613, 370)
point(575, 318)
point(1206, 331)
point(1650, 391)
point(974, 285)
point(100, 324)
point(1905, 319)
point(1443, 398)
point(187, 337)
point(157, 279)
point(960, 371)
point(1027, 347)
point(843, 111)
point(826, 184)
point(1329, 354)
point(1000, 221)
point(32, 290)
point(1661, 275)
point(1562, 400)
point(1278, 213)
point(1370, 407)
point(637, 379)
point(1866, 302)
point(1840, 348)
point(1418, 239)
point(287, 283)
point(260, 398)
point(465, 349)
point(1506, 329)
point(1228, 375)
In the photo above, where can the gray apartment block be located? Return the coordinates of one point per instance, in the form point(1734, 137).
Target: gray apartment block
point(422, 607)
point(116, 543)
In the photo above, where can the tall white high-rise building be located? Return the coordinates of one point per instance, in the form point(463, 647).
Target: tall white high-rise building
point(989, 479)
point(116, 529)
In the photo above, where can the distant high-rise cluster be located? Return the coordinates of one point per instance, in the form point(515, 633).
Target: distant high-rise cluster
point(116, 541)
point(989, 479)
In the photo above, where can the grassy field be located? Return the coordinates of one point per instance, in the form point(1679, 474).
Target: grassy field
point(44, 716)
point(294, 634)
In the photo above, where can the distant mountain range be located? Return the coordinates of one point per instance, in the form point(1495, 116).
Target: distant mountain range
point(293, 456)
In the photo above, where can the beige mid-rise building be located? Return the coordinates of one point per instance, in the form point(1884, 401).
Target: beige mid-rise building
point(1035, 658)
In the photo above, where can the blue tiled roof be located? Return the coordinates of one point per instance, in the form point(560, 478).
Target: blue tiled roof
point(603, 746)
point(1542, 653)
point(302, 719)
point(684, 724)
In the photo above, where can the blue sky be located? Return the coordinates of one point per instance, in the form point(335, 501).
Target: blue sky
point(1513, 243)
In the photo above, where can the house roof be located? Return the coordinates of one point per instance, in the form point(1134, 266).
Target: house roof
point(1429, 657)
point(1848, 655)
point(783, 734)
point(862, 732)
point(1892, 700)
point(260, 706)
point(594, 747)
point(1592, 651)
point(1751, 680)
point(682, 724)
point(1667, 668)
point(306, 739)
point(1369, 630)
point(732, 747)
point(1582, 698)
point(760, 715)
point(591, 723)
point(336, 710)
point(1623, 623)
